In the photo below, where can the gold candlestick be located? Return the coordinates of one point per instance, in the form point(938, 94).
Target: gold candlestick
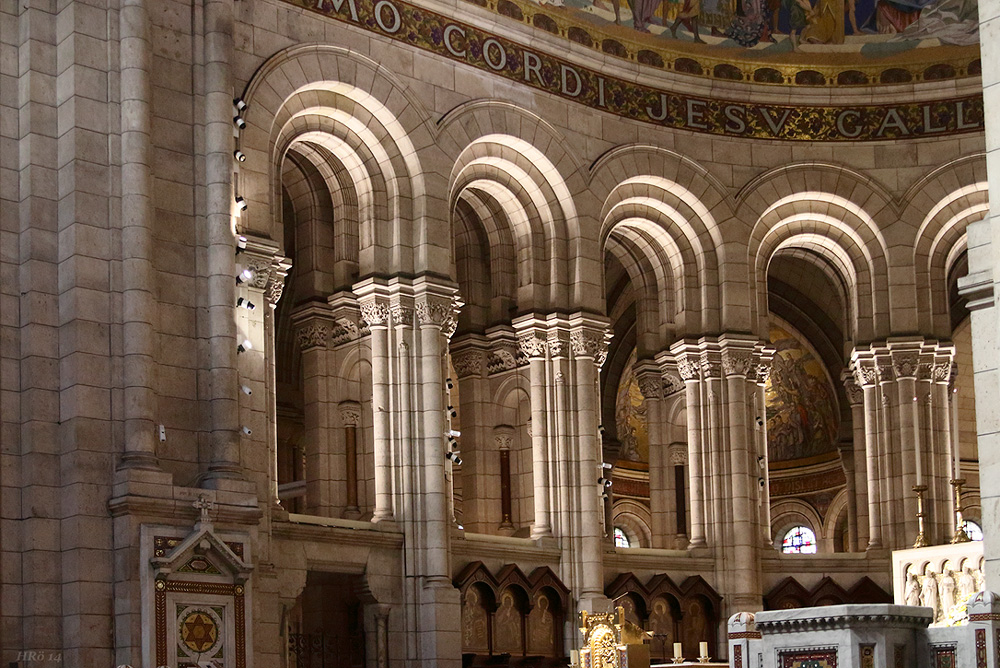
point(960, 535)
point(921, 540)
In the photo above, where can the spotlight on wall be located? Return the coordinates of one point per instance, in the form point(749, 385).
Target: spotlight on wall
point(607, 465)
point(241, 204)
point(245, 346)
point(604, 482)
point(240, 105)
point(247, 430)
point(600, 429)
point(760, 421)
point(242, 302)
point(451, 385)
point(244, 276)
point(760, 461)
point(454, 432)
point(245, 389)
point(452, 440)
point(453, 457)
point(240, 155)
point(239, 122)
point(452, 412)
point(241, 244)
point(760, 483)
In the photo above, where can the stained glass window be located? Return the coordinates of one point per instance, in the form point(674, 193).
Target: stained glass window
point(621, 540)
point(973, 530)
point(799, 540)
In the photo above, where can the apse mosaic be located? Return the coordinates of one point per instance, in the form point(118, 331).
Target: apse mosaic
point(912, 34)
point(630, 417)
point(801, 418)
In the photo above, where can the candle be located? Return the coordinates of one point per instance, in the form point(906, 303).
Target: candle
point(918, 455)
point(954, 433)
point(703, 649)
point(574, 657)
point(678, 652)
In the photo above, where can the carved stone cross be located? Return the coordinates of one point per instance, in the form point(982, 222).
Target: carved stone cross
point(204, 505)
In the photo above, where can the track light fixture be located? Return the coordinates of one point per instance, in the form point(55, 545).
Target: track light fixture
point(245, 389)
point(244, 276)
point(600, 429)
point(453, 457)
point(452, 412)
point(454, 432)
point(451, 385)
point(241, 203)
point(451, 440)
point(607, 465)
point(240, 155)
point(241, 244)
point(239, 122)
point(240, 105)
point(247, 430)
point(604, 482)
point(245, 346)
point(242, 302)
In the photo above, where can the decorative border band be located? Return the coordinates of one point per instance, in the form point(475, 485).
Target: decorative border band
point(461, 42)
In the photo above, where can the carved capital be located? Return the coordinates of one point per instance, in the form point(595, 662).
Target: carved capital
point(312, 335)
point(677, 454)
point(501, 359)
point(375, 312)
point(558, 345)
point(350, 413)
point(941, 372)
point(435, 311)
point(738, 363)
point(590, 343)
point(855, 395)
point(531, 344)
point(864, 375)
point(503, 437)
point(467, 363)
point(401, 315)
point(905, 365)
point(688, 369)
point(651, 386)
point(672, 383)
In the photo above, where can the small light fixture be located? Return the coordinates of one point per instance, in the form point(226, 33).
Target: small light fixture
point(241, 244)
point(604, 482)
point(241, 203)
point(240, 155)
point(245, 346)
point(247, 430)
point(452, 412)
point(245, 389)
point(600, 429)
point(244, 276)
point(238, 120)
point(453, 457)
point(240, 105)
point(608, 465)
point(242, 302)
point(451, 385)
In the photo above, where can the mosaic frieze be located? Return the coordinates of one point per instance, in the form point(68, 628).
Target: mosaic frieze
point(535, 68)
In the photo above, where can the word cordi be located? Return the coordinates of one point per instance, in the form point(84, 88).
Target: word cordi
point(467, 44)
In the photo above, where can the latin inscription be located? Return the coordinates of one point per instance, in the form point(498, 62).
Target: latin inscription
point(529, 66)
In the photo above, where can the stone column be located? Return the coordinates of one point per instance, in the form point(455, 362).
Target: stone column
point(468, 357)
point(764, 356)
point(350, 417)
point(532, 341)
point(979, 287)
point(743, 562)
point(689, 369)
point(262, 284)
point(374, 302)
point(661, 475)
point(856, 398)
point(313, 325)
point(588, 339)
point(503, 438)
point(904, 364)
point(138, 289)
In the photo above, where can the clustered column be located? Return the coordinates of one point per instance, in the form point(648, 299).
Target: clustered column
point(565, 355)
point(727, 454)
point(907, 437)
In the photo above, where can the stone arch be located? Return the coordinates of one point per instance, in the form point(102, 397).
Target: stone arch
point(635, 519)
point(944, 202)
point(319, 94)
point(664, 222)
point(510, 158)
point(834, 515)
